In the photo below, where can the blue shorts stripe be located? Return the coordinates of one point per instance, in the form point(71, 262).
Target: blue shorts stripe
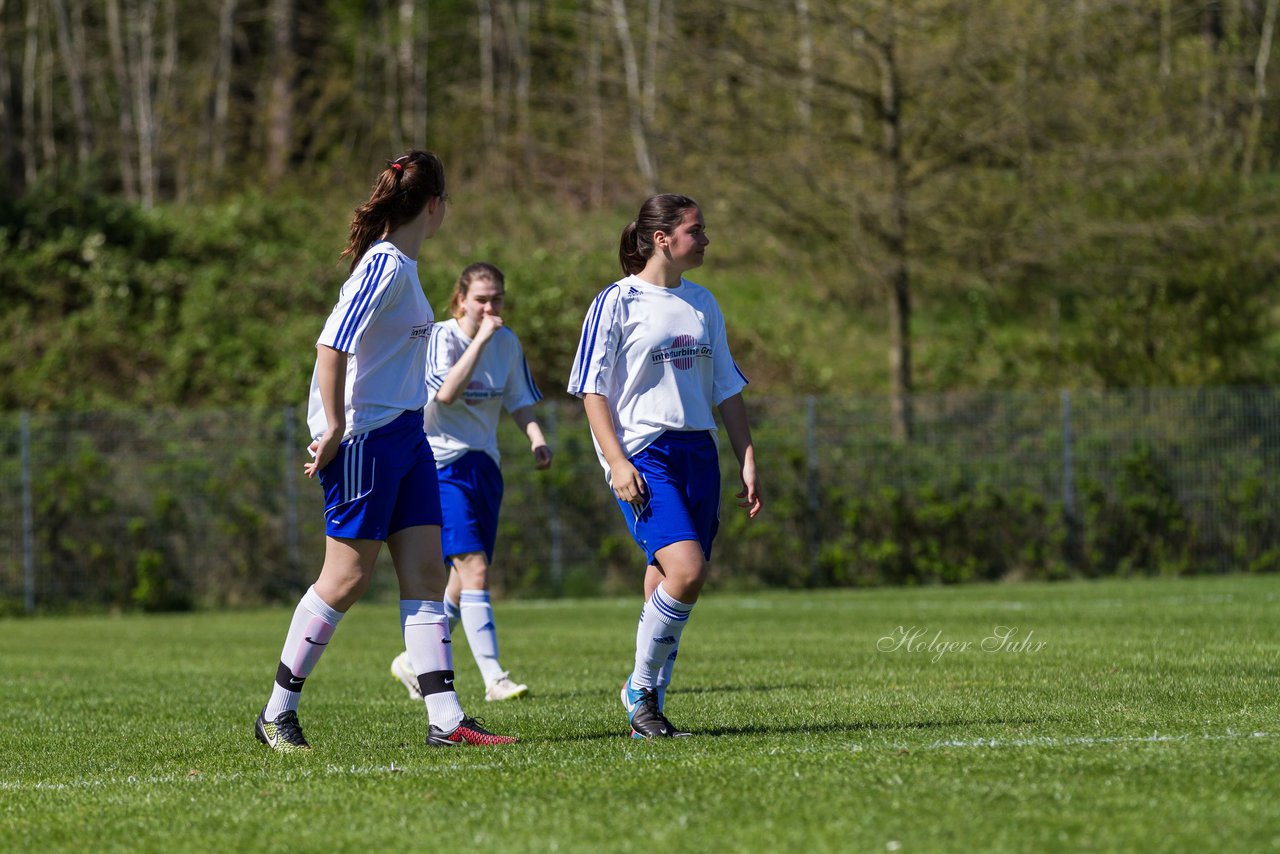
point(682, 472)
point(381, 482)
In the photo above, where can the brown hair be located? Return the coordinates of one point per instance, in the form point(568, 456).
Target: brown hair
point(400, 192)
point(472, 272)
point(658, 213)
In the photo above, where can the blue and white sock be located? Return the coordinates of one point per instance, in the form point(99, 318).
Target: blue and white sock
point(314, 623)
point(664, 678)
point(426, 639)
point(482, 636)
point(661, 622)
point(452, 611)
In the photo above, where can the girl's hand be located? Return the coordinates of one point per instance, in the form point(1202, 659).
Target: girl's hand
point(489, 324)
point(541, 457)
point(750, 493)
point(324, 449)
point(628, 484)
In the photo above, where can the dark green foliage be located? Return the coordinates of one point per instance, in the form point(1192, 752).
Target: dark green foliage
point(1137, 525)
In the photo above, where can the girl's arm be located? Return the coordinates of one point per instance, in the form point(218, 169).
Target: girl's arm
point(537, 442)
point(627, 483)
point(734, 413)
point(331, 376)
point(460, 374)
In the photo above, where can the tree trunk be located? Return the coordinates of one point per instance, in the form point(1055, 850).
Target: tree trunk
point(142, 53)
point(635, 103)
point(70, 54)
point(10, 160)
point(899, 273)
point(164, 106)
point(488, 106)
point(124, 88)
point(280, 99)
point(524, 83)
point(594, 27)
point(652, 42)
point(30, 127)
point(804, 61)
point(1166, 38)
point(515, 26)
point(1259, 87)
point(221, 106)
point(413, 74)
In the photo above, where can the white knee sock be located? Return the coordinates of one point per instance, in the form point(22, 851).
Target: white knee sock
point(314, 623)
point(661, 622)
point(452, 611)
point(477, 622)
point(426, 639)
point(664, 678)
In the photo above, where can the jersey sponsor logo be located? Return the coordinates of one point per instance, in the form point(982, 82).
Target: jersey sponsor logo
point(478, 392)
point(681, 352)
point(423, 331)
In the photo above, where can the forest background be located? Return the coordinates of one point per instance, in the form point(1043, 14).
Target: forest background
point(905, 197)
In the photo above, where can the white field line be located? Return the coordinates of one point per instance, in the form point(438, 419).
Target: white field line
point(377, 770)
point(1076, 741)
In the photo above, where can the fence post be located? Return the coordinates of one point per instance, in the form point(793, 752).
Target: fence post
point(290, 494)
point(28, 518)
point(811, 487)
point(553, 510)
point(1072, 519)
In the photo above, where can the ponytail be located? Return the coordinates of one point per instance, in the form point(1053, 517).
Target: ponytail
point(658, 213)
point(629, 253)
point(399, 194)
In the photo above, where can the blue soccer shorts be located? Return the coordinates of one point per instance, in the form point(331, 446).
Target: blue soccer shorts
point(682, 473)
point(381, 482)
point(470, 498)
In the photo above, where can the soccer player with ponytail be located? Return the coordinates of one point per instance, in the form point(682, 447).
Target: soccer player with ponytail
point(652, 364)
point(373, 459)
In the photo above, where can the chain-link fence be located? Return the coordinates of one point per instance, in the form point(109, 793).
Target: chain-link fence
point(174, 510)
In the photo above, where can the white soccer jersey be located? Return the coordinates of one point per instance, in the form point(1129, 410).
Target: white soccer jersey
point(382, 321)
point(660, 356)
point(501, 380)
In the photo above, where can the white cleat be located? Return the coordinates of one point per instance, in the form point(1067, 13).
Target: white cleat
point(403, 671)
point(503, 688)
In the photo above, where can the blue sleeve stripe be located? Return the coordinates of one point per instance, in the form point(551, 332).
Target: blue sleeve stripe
point(435, 379)
point(740, 373)
point(360, 304)
point(593, 323)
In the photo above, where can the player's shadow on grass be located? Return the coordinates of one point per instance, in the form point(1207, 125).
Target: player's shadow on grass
point(853, 727)
point(707, 689)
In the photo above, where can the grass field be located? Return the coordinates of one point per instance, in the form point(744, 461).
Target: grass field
point(1120, 715)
